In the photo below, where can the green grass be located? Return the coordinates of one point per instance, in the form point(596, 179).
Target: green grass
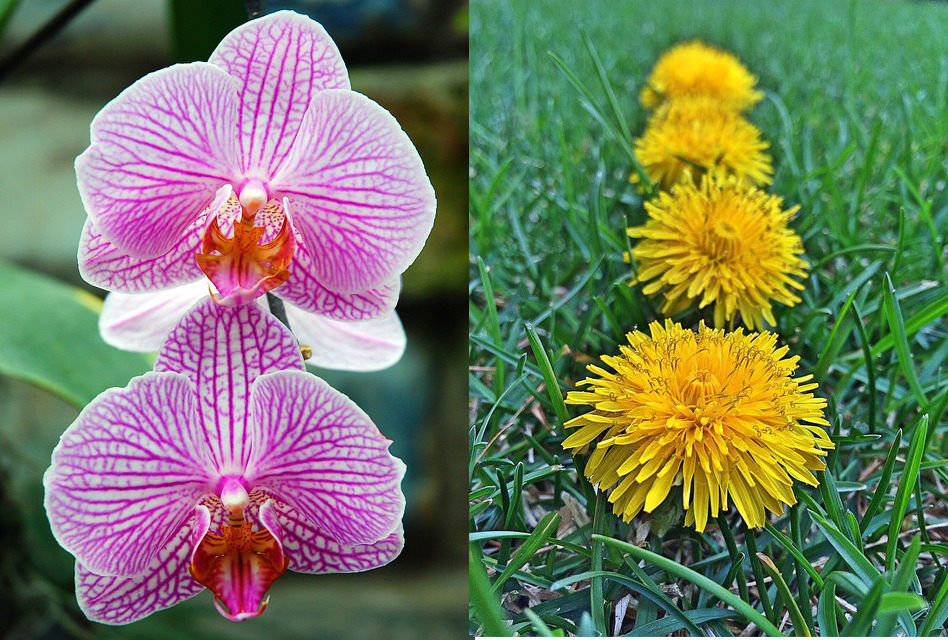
point(857, 116)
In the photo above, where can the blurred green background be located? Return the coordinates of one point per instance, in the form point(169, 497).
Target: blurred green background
point(408, 55)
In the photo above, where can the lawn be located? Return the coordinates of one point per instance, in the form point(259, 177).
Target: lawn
point(856, 113)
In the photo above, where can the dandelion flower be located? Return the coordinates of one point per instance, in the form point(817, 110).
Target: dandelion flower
point(694, 69)
point(720, 414)
point(690, 137)
point(722, 243)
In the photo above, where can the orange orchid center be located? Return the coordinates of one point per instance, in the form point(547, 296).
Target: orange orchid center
point(252, 259)
point(240, 565)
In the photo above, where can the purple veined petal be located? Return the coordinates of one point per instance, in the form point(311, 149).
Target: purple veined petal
point(304, 290)
point(311, 551)
point(104, 265)
point(369, 345)
point(164, 583)
point(142, 321)
point(159, 152)
point(358, 191)
point(223, 350)
point(280, 60)
point(314, 449)
point(127, 474)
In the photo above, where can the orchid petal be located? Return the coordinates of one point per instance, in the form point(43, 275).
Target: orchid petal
point(142, 321)
point(351, 346)
point(311, 551)
point(159, 152)
point(222, 350)
point(360, 196)
point(317, 451)
point(127, 473)
point(164, 583)
point(306, 292)
point(104, 265)
point(281, 61)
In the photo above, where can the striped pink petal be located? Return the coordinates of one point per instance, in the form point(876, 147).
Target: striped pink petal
point(222, 350)
point(358, 192)
point(142, 321)
point(159, 152)
point(106, 266)
point(127, 474)
point(314, 449)
point(280, 61)
point(304, 290)
point(164, 583)
point(311, 551)
point(369, 345)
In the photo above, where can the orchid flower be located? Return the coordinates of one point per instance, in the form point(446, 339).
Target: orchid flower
point(222, 468)
point(259, 169)
point(141, 322)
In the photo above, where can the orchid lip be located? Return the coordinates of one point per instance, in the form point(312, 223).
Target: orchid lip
point(240, 564)
point(254, 259)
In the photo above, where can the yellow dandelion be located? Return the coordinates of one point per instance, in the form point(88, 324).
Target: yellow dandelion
point(693, 69)
point(690, 137)
point(722, 243)
point(720, 414)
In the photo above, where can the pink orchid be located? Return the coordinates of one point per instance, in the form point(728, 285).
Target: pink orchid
point(260, 169)
point(222, 468)
point(141, 322)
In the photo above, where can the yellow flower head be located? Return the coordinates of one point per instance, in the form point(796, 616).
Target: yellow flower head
point(693, 69)
point(722, 243)
point(718, 413)
point(690, 137)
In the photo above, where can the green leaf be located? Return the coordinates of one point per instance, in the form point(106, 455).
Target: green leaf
point(904, 491)
point(826, 611)
point(938, 613)
point(927, 314)
point(834, 343)
point(883, 487)
point(543, 531)
point(796, 616)
point(898, 602)
point(893, 314)
point(49, 336)
point(646, 588)
point(549, 377)
point(486, 607)
point(669, 624)
point(861, 623)
point(787, 544)
point(858, 562)
point(702, 582)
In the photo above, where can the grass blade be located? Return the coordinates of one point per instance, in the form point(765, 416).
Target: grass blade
point(861, 623)
point(800, 627)
point(858, 562)
point(486, 607)
point(938, 613)
point(826, 611)
point(787, 544)
point(883, 487)
point(903, 494)
point(543, 531)
point(893, 314)
point(702, 582)
point(546, 370)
